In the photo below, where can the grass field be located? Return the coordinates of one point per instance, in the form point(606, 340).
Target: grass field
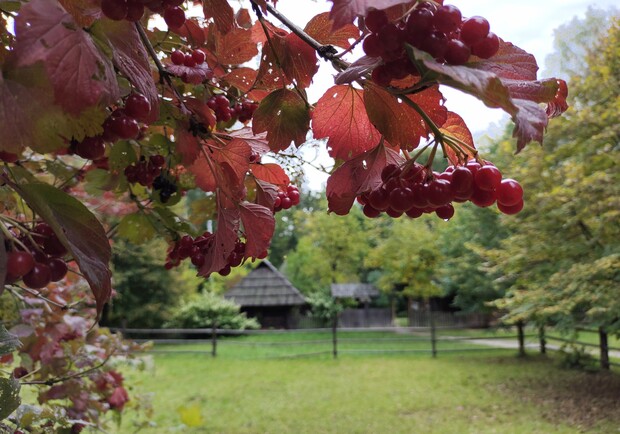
point(243, 391)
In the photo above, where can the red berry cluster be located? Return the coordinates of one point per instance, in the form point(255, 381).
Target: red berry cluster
point(196, 57)
point(438, 30)
point(123, 123)
point(286, 199)
point(197, 248)
point(133, 10)
point(42, 263)
point(145, 171)
point(412, 190)
point(243, 110)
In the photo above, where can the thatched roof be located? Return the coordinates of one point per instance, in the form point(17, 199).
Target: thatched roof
point(265, 286)
point(360, 291)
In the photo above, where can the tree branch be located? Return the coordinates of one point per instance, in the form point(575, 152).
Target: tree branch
point(53, 381)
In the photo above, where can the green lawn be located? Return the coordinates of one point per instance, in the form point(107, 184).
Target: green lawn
point(478, 392)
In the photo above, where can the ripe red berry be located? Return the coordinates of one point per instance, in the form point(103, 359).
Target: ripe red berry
point(488, 178)
point(18, 264)
point(8, 157)
point(174, 17)
point(447, 18)
point(135, 11)
point(482, 198)
point(91, 148)
point(509, 192)
point(125, 127)
point(487, 47)
point(375, 20)
point(114, 9)
point(189, 61)
point(439, 192)
point(379, 199)
point(137, 106)
point(474, 30)
point(58, 269)
point(457, 53)
point(445, 212)
point(199, 56)
point(370, 212)
point(177, 57)
point(38, 277)
point(373, 46)
point(510, 210)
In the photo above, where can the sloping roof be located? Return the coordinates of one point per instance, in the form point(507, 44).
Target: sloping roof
point(265, 286)
point(361, 291)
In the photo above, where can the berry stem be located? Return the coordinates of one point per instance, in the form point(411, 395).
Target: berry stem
point(163, 74)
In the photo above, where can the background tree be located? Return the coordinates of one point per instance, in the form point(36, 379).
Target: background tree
point(574, 184)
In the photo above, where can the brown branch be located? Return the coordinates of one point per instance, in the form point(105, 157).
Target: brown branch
point(163, 73)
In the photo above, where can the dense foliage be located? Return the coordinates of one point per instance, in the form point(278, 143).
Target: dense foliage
point(209, 310)
point(109, 121)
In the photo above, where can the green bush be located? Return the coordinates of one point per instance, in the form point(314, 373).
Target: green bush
point(206, 310)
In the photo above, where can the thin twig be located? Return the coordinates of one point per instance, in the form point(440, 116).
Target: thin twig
point(53, 381)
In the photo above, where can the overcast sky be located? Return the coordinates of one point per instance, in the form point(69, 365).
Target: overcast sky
point(528, 24)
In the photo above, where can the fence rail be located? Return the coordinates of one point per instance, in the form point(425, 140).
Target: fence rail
point(376, 340)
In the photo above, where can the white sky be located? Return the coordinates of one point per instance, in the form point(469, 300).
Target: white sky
point(528, 24)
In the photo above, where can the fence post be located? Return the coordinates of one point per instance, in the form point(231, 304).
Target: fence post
point(335, 336)
point(604, 348)
point(521, 337)
point(543, 341)
point(214, 340)
point(431, 318)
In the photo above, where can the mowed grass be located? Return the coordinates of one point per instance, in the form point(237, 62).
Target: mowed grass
point(243, 391)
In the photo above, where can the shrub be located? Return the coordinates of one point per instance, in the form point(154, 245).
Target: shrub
point(207, 310)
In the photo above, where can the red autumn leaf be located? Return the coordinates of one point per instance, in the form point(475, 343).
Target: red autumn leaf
point(258, 225)
point(78, 230)
point(80, 74)
point(537, 91)
point(84, 12)
point(340, 115)
point(242, 78)
point(187, 145)
point(203, 112)
point(243, 18)
point(530, 123)
point(558, 104)
point(285, 117)
point(529, 118)
point(345, 11)
point(266, 193)
point(118, 398)
point(193, 32)
point(235, 47)
point(17, 119)
point(296, 58)
point(509, 62)
point(358, 175)
point(357, 69)
point(131, 58)
point(271, 173)
point(320, 28)
point(455, 126)
point(221, 12)
point(399, 123)
point(222, 167)
point(222, 242)
point(258, 142)
point(193, 75)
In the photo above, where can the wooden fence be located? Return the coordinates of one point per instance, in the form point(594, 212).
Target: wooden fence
point(346, 340)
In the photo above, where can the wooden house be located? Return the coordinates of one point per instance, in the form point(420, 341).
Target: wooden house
point(268, 296)
point(363, 315)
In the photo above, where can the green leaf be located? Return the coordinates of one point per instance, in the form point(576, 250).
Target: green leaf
point(9, 396)
point(136, 228)
point(121, 155)
point(98, 180)
point(78, 230)
point(8, 341)
point(285, 117)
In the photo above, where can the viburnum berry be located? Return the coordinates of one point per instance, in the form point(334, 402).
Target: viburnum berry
point(177, 57)
point(474, 30)
point(174, 17)
point(199, 56)
point(18, 264)
point(137, 106)
point(487, 47)
point(39, 277)
point(447, 18)
point(375, 20)
point(509, 193)
point(91, 148)
point(135, 11)
point(114, 9)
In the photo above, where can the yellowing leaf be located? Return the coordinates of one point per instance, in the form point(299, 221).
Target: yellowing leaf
point(191, 415)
